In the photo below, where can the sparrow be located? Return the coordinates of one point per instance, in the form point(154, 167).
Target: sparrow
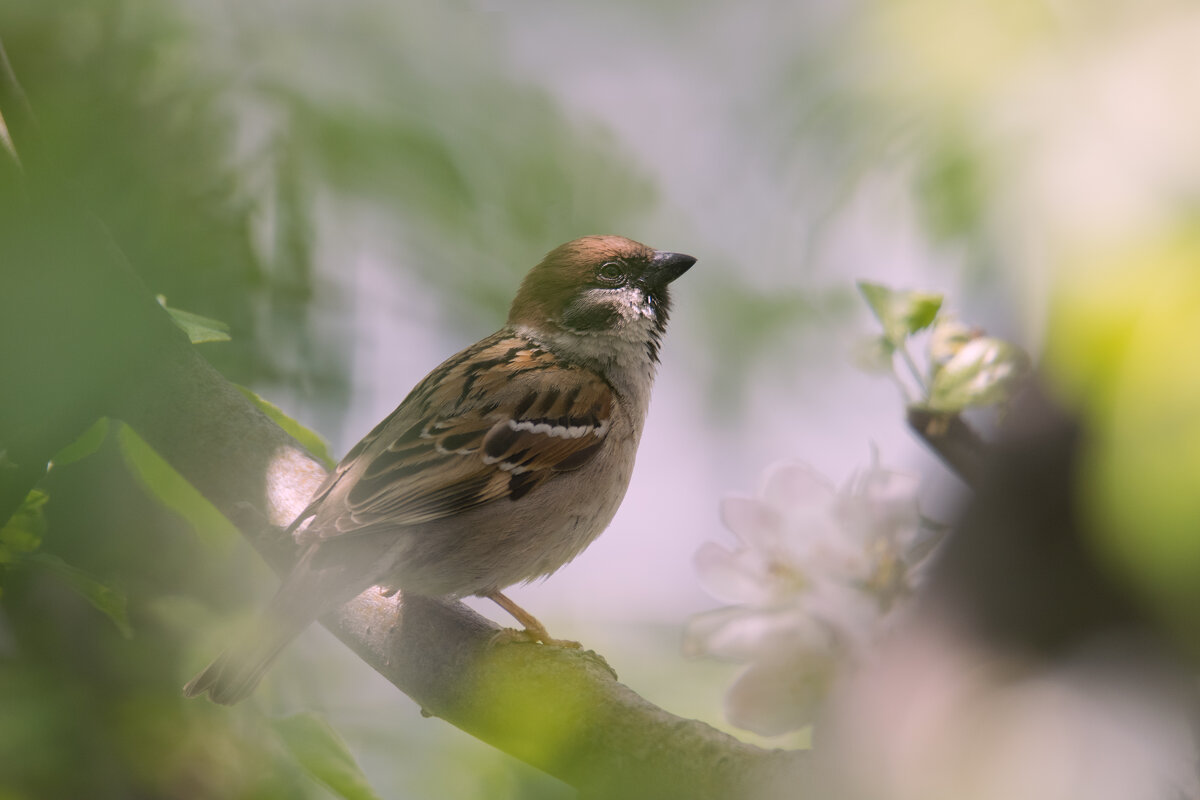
point(498, 468)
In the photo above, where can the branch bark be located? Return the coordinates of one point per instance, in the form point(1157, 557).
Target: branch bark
point(953, 439)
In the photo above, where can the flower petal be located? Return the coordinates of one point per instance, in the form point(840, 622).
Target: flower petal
point(715, 633)
point(792, 484)
point(735, 577)
point(771, 698)
point(739, 633)
point(891, 495)
point(850, 615)
point(880, 507)
point(755, 523)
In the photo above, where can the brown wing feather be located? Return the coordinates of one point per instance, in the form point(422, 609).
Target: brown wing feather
point(484, 426)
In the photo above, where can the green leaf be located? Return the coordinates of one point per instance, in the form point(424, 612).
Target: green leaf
point(173, 490)
point(983, 372)
point(304, 435)
point(107, 599)
point(951, 188)
point(23, 532)
point(874, 354)
point(199, 329)
point(88, 443)
point(902, 313)
point(322, 753)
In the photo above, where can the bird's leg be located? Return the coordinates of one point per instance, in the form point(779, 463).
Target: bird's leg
point(534, 630)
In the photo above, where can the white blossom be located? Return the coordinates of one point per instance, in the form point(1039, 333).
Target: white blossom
point(811, 580)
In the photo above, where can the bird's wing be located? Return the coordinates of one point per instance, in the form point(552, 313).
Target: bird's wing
point(493, 422)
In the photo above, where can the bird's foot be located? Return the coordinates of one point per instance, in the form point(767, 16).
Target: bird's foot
point(531, 636)
point(534, 630)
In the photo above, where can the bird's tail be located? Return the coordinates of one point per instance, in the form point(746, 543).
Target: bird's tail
point(235, 673)
point(320, 581)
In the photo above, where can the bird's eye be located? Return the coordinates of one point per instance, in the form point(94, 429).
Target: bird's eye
point(610, 272)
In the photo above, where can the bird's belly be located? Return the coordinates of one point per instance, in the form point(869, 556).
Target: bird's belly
point(505, 542)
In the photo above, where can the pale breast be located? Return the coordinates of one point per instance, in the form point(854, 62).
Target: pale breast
point(506, 542)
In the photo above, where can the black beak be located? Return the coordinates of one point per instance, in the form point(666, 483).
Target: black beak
point(666, 267)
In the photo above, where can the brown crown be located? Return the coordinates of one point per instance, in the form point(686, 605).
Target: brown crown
point(553, 283)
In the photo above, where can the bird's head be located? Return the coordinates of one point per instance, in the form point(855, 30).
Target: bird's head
point(601, 288)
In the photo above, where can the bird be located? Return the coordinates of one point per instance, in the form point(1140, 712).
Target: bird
point(498, 468)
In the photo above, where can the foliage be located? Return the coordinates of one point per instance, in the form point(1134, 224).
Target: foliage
point(253, 756)
point(965, 369)
point(318, 748)
point(1123, 351)
point(312, 441)
point(172, 490)
point(901, 313)
point(200, 329)
point(20, 550)
point(22, 534)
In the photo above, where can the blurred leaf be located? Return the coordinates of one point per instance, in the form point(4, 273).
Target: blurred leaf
point(88, 443)
point(951, 189)
point(107, 599)
point(751, 329)
point(901, 313)
point(421, 158)
point(199, 329)
point(874, 354)
point(1122, 350)
point(23, 532)
point(321, 752)
point(982, 373)
point(311, 440)
point(173, 490)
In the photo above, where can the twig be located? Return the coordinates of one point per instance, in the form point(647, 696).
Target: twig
point(952, 438)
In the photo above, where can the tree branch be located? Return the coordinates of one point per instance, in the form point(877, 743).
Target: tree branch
point(952, 438)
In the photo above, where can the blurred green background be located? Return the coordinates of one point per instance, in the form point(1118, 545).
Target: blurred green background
point(357, 188)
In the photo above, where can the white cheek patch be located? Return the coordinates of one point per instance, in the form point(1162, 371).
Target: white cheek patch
point(622, 339)
point(630, 302)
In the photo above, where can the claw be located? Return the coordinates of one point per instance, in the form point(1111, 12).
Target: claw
point(531, 636)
